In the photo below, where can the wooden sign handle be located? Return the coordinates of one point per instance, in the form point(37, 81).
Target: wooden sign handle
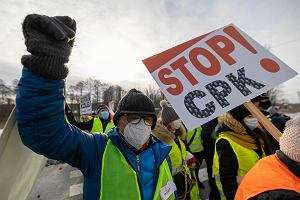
point(263, 120)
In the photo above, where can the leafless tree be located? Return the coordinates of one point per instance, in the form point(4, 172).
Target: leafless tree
point(15, 85)
point(6, 93)
point(79, 87)
point(97, 85)
point(276, 95)
point(112, 93)
point(154, 94)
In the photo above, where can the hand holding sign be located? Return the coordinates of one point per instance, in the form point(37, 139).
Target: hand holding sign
point(213, 73)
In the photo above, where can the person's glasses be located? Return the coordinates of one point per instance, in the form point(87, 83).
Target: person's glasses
point(135, 119)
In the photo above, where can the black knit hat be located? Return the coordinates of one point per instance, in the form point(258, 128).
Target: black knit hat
point(261, 97)
point(102, 106)
point(168, 114)
point(135, 102)
point(239, 113)
point(264, 101)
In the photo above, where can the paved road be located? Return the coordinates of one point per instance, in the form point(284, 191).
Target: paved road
point(58, 182)
point(63, 182)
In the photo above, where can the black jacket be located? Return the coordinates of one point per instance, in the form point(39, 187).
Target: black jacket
point(82, 125)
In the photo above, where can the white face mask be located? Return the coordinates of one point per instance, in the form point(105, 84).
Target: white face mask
point(251, 123)
point(176, 124)
point(137, 134)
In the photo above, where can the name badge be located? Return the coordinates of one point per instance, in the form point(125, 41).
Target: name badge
point(167, 190)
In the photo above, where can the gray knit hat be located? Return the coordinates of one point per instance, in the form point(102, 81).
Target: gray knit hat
point(168, 114)
point(290, 140)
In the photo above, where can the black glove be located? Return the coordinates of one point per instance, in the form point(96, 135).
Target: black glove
point(50, 41)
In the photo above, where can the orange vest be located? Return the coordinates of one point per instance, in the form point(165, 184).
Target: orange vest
point(269, 173)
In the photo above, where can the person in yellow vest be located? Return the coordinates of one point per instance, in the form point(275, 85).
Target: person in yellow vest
point(177, 155)
point(191, 162)
point(102, 123)
point(276, 177)
point(194, 145)
point(127, 163)
point(237, 150)
point(85, 118)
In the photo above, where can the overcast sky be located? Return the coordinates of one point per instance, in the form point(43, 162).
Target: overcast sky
point(113, 36)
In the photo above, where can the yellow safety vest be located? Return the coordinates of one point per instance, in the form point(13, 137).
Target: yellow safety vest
point(177, 156)
point(98, 128)
point(67, 120)
point(196, 145)
point(194, 193)
point(119, 180)
point(89, 118)
point(247, 158)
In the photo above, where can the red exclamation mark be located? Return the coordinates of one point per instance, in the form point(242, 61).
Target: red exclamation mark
point(267, 63)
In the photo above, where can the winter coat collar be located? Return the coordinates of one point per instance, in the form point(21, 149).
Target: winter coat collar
point(231, 124)
point(289, 163)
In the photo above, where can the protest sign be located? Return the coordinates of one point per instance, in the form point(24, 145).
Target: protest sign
point(85, 104)
point(19, 166)
point(213, 73)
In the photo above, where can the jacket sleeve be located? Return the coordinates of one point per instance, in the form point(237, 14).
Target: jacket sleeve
point(228, 168)
point(82, 125)
point(43, 127)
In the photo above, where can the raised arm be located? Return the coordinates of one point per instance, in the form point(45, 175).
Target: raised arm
point(40, 100)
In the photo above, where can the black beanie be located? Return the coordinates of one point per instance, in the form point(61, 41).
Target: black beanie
point(239, 113)
point(102, 106)
point(261, 97)
point(264, 101)
point(168, 114)
point(135, 102)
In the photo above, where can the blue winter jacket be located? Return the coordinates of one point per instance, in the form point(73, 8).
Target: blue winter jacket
point(43, 128)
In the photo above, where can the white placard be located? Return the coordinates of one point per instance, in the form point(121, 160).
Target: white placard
point(213, 73)
point(85, 104)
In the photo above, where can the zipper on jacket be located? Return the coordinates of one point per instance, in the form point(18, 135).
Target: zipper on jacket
point(138, 162)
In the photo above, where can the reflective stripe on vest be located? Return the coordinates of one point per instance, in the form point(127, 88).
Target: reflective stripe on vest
point(197, 143)
point(98, 128)
point(119, 180)
point(246, 160)
point(195, 192)
point(67, 120)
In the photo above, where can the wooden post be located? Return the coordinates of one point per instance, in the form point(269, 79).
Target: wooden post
point(263, 120)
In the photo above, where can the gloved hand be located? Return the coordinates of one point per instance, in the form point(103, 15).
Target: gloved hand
point(50, 41)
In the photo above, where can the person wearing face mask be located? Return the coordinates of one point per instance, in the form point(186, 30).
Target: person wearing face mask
point(194, 144)
point(237, 150)
point(177, 131)
point(276, 177)
point(126, 163)
point(102, 123)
